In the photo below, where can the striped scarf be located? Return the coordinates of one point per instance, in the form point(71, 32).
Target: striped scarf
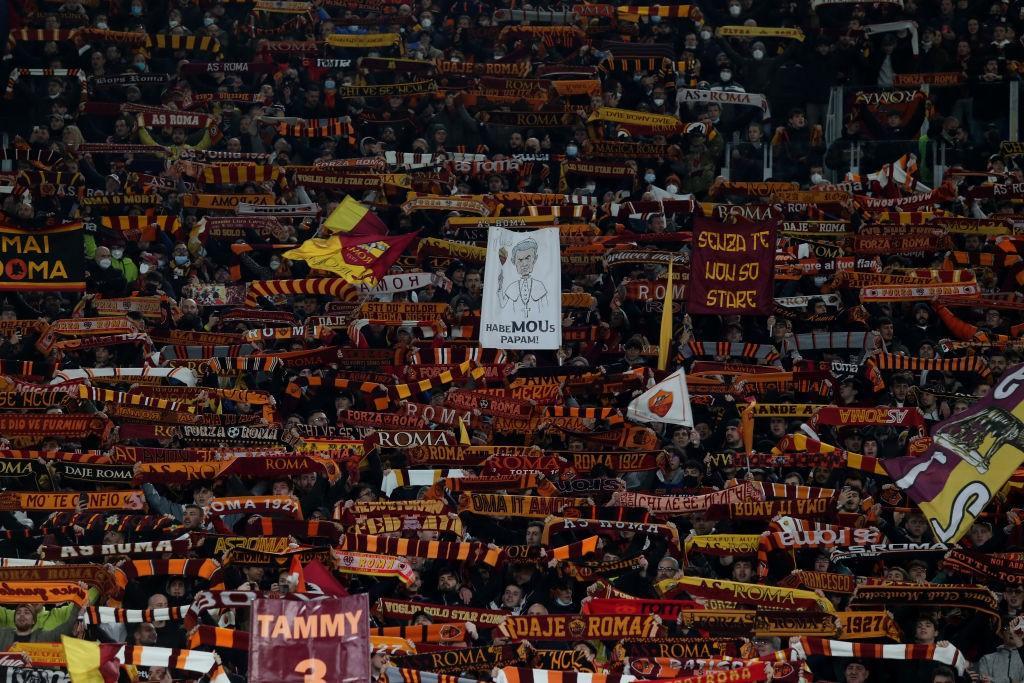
point(320, 128)
point(962, 259)
point(464, 370)
point(894, 361)
point(240, 173)
point(142, 227)
point(174, 658)
point(395, 674)
point(663, 11)
point(438, 550)
point(760, 353)
point(823, 647)
point(100, 395)
point(511, 674)
point(167, 41)
point(335, 287)
point(661, 65)
point(823, 341)
point(231, 365)
point(216, 636)
point(18, 74)
point(447, 355)
point(116, 615)
point(208, 570)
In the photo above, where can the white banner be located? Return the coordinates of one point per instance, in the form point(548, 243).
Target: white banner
point(522, 306)
point(746, 99)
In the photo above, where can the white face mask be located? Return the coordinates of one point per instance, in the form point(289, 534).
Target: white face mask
point(117, 253)
point(104, 263)
point(591, 187)
point(274, 265)
point(734, 10)
point(658, 101)
point(705, 35)
point(174, 23)
point(426, 23)
point(650, 177)
point(101, 25)
point(817, 178)
point(208, 21)
point(671, 189)
point(758, 54)
point(726, 76)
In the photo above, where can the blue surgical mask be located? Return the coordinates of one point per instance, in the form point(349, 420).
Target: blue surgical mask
point(141, 66)
point(208, 21)
point(136, 11)
point(181, 260)
point(571, 150)
point(650, 177)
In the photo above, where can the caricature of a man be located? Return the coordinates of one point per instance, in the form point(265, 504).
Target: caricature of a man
point(527, 294)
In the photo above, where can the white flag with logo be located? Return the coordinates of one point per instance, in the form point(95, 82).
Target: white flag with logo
point(522, 303)
point(667, 401)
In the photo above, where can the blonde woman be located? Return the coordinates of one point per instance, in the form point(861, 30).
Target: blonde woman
point(72, 137)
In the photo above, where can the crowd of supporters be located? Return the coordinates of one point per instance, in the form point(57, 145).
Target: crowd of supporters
point(168, 129)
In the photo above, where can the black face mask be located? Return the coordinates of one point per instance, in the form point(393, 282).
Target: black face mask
point(691, 482)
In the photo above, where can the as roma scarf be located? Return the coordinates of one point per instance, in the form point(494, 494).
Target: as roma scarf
point(814, 508)
point(974, 598)
point(864, 625)
point(465, 659)
point(139, 549)
point(668, 610)
point(721, 545)
point(677, 648)
point(272, 506)
point(369, 564)
point(607, 527)
point(676, 670)
point(747, 593)
point(577, 627)
point(95, 500)
point(405, 610)
point(588, 571)
point(433, 633)
point(686, 504)
point(391, 525)
point(617, 461)
point(20, 424)
point(497, 505)
point(865, 417)
point(979, 565)
point(438, 550)
point(39, 592)
point(95, 575)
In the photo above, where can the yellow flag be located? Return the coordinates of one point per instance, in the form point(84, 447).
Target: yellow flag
point(90, 662)
point(665, 340)
point(463, 434)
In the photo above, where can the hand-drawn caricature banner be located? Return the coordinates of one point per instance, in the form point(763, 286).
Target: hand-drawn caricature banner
point(522, 306)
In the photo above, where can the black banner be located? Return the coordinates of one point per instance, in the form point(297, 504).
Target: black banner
point(50, 260)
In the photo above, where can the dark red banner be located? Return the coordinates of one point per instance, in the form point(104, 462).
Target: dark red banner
point(326, 640)
point(732, 270)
